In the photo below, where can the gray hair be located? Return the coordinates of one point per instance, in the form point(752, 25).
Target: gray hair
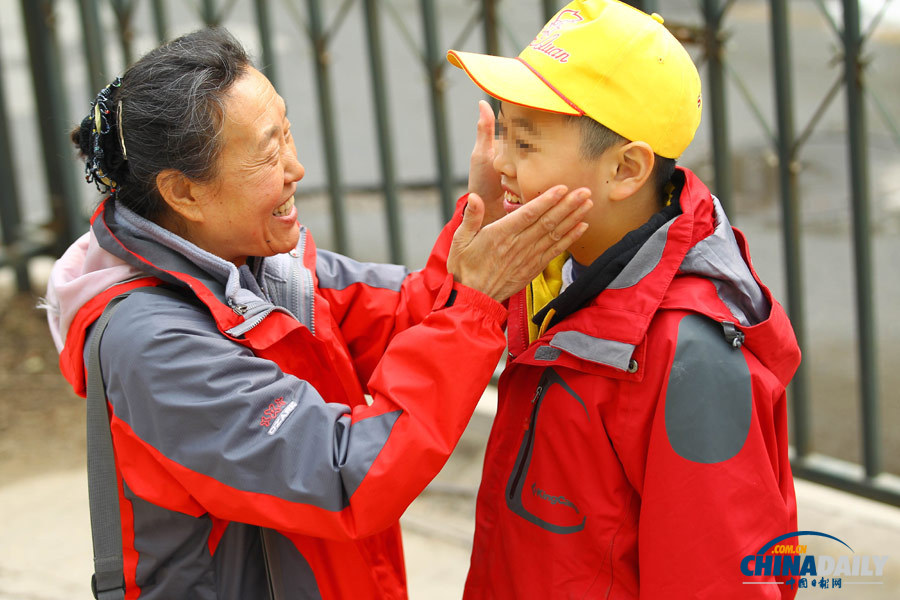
point(172, 104)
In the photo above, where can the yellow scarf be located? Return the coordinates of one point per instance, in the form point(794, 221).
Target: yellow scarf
point(542, 289)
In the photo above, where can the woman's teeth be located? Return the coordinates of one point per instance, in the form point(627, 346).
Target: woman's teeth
point(511, 198)
point(284, 209)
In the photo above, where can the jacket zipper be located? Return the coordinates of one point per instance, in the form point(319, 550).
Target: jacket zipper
point(519, 314)
point(265, 557)
point(241, 309)
point(309, 282)
point(294, 296)
point(529, 440)
point(258, 318)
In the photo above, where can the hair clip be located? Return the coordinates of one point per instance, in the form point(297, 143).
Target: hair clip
point(98, 118)
point(121, 131)
point(99, 115)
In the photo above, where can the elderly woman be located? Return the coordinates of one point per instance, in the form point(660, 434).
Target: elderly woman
point(249, 464)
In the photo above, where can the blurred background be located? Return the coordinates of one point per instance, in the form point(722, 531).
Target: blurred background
point(800, 140)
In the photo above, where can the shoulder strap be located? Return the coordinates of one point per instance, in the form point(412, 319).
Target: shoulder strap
point(108, 580)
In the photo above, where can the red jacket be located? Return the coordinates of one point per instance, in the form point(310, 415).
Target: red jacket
point(242, 436)
point(640, 445)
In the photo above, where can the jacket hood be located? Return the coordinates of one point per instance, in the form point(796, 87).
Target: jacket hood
point(694, 242)
point(109, 255)
point(83, 271)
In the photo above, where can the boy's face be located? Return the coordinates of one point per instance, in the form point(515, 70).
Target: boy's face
point(536, 150)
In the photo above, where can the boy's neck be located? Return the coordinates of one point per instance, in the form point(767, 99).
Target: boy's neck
point(619, 219)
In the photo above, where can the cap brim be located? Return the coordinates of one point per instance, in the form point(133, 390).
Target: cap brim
point(511, 80)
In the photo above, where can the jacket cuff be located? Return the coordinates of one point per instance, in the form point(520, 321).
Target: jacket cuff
point(453, 293)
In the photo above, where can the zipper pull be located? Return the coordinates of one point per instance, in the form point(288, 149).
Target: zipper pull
point(527, 424)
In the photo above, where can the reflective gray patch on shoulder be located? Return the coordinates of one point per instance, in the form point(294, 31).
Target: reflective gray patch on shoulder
point(598, 350)
point(709, 397)
point(337, 272)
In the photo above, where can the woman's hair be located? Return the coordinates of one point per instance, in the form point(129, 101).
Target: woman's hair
point(170, 108)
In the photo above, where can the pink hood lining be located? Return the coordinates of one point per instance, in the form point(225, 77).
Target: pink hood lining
point(81, 273)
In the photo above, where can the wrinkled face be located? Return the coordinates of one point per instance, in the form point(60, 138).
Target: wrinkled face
point(249, 207)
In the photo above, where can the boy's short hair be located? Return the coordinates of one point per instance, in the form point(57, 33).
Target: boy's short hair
point(605, 60)
point(597, 139)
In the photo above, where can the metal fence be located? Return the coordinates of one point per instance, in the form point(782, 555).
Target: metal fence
point(103, 36)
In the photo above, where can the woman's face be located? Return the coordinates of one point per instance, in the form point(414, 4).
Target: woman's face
point(248, 209)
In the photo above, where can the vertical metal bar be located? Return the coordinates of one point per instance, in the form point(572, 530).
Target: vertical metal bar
point(491, 40)
point(434, 64)
point(160, 21)
point(10, 216)
point(648, 6)
point(790, 212)
point(549, 7)
point(382, 122)
point(264, 24)
point(716, 96)
point(208, 9)
point(123, 10)
point(69, 222)
point(329, 135)
point(92, 32)
point(859, 190)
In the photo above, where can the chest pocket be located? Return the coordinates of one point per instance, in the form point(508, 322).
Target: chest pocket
point(543, 485)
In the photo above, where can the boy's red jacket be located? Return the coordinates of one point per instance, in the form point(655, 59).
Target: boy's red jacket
point(243, 439)
point(640, 445)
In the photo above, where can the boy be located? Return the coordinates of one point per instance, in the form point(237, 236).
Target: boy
point(640, 443)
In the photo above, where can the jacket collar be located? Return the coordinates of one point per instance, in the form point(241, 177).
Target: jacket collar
point(613, 323)
point(612, 266)
point(695, 262)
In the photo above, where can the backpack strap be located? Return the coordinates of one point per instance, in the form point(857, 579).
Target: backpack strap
point(108, 580)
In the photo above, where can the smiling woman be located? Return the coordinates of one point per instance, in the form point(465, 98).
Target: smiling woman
point(248, 209)
point(248, 461)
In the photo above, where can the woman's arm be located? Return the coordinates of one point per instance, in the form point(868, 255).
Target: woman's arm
point(201, 425)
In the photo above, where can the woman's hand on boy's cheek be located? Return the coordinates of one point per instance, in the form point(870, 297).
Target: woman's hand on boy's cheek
point(501, 258)
point(483, 179)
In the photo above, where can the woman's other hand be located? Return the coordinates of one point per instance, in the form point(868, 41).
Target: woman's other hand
point(501, 258)
point(483, 179)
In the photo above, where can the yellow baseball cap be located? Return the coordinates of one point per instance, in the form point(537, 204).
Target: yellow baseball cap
point(606, 60)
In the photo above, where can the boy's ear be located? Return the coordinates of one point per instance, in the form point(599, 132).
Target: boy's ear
point(635, 165)
point(179, 194)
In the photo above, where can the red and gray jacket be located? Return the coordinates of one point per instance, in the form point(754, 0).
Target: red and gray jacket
point(244, 444)
point(640, 445)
